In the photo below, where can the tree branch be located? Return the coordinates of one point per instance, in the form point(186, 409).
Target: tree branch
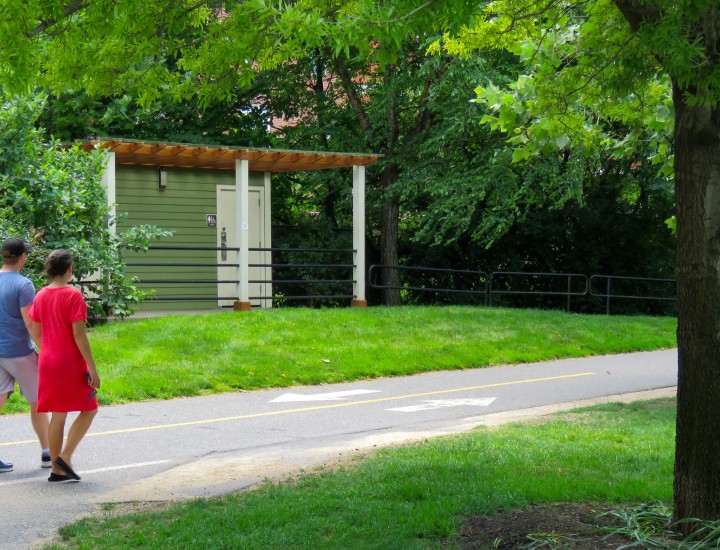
point(408, 15)
point(609, 61)
point(636, 12)
point(393, 129)
point(543, 7)
point(352, 95)
point(424, 114)
point(68, 10)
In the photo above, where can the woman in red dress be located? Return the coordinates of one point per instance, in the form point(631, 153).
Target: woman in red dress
point(68, 376)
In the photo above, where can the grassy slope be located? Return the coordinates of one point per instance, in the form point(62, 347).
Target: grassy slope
point(190, 355)
point(416, 496)
point(200, 354)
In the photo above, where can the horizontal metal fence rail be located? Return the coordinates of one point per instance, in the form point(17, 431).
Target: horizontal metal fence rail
point(304, 297)
point(348, 266)
point(487, 285)
point(300, 281)
point(578, 284)
point(275, 282)
point(373, 274)
point(231, 249)
point(548, 276)
point(280, 282)
point(608, 295)
point(191, 298)
point(186, 281)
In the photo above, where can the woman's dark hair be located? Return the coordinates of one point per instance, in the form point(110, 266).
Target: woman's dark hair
point(58, 263)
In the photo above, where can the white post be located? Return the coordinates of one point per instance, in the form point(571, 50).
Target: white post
point(359, 236)
point(267, 239)
point(242, 232)
point(108, 182)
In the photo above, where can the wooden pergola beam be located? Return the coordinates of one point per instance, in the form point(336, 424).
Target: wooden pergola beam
point(215, 157)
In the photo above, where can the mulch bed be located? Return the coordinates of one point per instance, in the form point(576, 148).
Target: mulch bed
point(510, 529)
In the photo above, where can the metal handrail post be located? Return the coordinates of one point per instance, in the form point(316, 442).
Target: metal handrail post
point(607, 300)
point(569, 290)
point(489, 287)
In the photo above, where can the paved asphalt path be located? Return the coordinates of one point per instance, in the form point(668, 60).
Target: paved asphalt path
point(185, 448)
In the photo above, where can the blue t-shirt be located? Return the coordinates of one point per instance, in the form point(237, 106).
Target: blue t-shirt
point(16, 292)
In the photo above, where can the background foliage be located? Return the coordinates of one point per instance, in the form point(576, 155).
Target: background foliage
point(52, 196)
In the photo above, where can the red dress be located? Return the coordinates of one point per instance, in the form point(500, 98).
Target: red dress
point(63, 385)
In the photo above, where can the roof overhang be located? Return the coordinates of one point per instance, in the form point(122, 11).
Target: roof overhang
point(218, 157)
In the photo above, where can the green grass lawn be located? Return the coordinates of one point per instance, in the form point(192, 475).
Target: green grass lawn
point(416, 496)
point(187, 355)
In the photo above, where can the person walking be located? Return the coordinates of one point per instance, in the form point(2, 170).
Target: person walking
point(68, 375)
point(18, 358)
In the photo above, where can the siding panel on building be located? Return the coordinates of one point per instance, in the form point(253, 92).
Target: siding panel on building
point(182, 208)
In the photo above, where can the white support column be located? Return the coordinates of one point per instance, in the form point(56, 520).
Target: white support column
point(359, 236)
point(242, 232)
point(108, 182)
point(267, 239)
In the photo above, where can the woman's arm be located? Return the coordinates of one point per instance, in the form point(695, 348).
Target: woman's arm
point(83, 345)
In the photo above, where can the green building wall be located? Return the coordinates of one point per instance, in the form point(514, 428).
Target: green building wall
point(181, 208)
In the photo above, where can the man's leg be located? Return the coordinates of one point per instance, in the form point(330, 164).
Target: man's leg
point(27, 376)
point(7, 385)
point(5, 466)
point(7, 381)
point(40, 423)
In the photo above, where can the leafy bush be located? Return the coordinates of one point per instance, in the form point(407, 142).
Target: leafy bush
point(52, 196)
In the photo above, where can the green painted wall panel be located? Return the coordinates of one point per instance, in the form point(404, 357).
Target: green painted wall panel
point(182, 207)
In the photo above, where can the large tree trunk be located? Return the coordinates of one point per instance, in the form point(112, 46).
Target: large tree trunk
point(389, 237)
point(697, 177)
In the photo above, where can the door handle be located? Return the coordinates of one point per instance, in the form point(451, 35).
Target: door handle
point(223, 245)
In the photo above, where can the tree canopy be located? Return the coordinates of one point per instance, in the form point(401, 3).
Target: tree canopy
point(203, 48)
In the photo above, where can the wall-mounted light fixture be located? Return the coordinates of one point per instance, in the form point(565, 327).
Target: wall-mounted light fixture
point(162, 178)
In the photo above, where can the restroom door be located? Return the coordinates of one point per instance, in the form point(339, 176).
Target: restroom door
point(228, 259)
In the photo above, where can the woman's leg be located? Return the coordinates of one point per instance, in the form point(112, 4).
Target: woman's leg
point(77, 431)
point(56, 431)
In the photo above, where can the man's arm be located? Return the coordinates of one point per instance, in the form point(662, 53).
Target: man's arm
point(33, 328)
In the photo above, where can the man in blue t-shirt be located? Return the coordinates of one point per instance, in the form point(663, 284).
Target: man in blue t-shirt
point(18, 359)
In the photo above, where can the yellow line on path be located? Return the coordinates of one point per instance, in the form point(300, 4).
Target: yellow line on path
point(314, 408)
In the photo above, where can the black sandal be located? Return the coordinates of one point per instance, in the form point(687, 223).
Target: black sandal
point(65, 467)
point(59, 478)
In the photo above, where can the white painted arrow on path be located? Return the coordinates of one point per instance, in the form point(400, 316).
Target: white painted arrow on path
point(441, 403)
point(335, 396)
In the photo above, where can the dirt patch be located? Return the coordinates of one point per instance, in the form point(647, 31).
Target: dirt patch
point(125, 508)
point(567, 526)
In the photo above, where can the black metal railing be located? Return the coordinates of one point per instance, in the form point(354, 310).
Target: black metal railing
point(503, 284)
point(474, 282)
point(634, 291)
point(325, 275)
point(337, 276)
point(497, 283)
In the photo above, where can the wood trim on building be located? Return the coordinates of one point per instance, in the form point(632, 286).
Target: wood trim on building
point(214, 157)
